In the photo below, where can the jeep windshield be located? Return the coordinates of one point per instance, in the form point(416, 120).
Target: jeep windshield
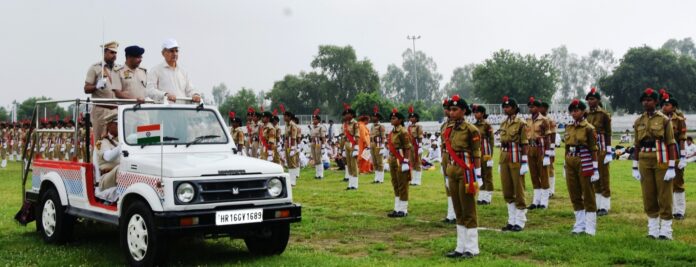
point(176, 126)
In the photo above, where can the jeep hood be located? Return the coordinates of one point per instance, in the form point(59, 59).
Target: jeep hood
point(197, 164)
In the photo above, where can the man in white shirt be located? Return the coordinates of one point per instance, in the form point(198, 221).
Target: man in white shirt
point(167, 80)
point(690, 150)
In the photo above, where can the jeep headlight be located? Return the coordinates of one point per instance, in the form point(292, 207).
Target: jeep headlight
point(275, 187)
point(185, 192)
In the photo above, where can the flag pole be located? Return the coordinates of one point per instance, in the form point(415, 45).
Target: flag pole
point(161, 152)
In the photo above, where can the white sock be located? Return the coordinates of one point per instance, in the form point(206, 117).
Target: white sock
point(450, 209)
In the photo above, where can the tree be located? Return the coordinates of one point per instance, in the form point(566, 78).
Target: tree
point(347, 76)
point(461, 83)
point(26, 108)
point(684, 47)
point(4, 116)
point(220, 93)
point(576, 75)
point(300, 93)
point(644, 67)
point(399, 83)
point(364, 103)
point(239, 102)
point(514, 75)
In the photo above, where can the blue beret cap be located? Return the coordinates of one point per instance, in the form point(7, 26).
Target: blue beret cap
point(135, 51)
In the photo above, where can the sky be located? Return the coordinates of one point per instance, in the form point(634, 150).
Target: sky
point(47, 46)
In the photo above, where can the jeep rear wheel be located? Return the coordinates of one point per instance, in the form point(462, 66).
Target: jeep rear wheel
point(270, 240)
point(54, 225)
point(142, 245)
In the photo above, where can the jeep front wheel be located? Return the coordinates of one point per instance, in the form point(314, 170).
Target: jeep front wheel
point(140, 241)
point(54, 225)
point(270, 240)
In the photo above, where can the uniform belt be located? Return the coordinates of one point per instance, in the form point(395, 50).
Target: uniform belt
point(464, 155)
point(648, 149)
point(534, 143)
point(574, 151)
point(106, 106)
point(647, 143)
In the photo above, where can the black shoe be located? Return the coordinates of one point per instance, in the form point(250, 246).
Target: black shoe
point(449, 221)
point(351, 188)
point(662, 237)
point(454, 254)
point(531, 207)
point(478, 202)
point(602, 212)
point(375, 182)
point(516, 228)
point(392, 214)
point(678, 216)
point(651, 237)
point(508, 227)
point(345, 179)
point(576, 233)
point(541, 207)
point(467, 255)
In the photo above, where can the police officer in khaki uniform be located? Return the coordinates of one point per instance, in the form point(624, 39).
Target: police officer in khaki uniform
point(415, 130)
point(133, 78)
point(581, 168)
point(487, 141)
point(601, 120)
point(108, 153)
point(463, 144)
point(551, 150)
point(292, 135)
point(655, 152)
point(100, 82)
point(513, 164)
point(378, 134)
point(538, 134)
point(351, 135)
point(399, 146)
point(252, 144)
point(318, 140)
point(267, 137)
point(669, 108)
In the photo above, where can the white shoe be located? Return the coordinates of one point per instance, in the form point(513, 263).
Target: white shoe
point(3, 164)
point(666, 229)
point(590, 223)
point(450, 209)
point(520, 217)
point(471, 241)
point(461, 239)
point(579, 226)
point(654, 227)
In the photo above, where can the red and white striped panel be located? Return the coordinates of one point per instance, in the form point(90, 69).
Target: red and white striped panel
point(126, 179)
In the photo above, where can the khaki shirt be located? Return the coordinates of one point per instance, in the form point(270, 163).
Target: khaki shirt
point(238, 136)
point(269, 133)
point(377, 134)
point(318, 134)
point(601, 120)
point(352, 129)
point(513, 129)
point(103, 145)
point(581, 134)
point(486, 131)
point(655, 127)
point(678, 126)
point(416, 131)
point(465, 137)
point(400, 140)
point(113, 83)
point(538, 127)
point(292, 134)
point(133, 81)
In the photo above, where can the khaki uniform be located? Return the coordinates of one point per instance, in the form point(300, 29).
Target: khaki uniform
point(238, 137)
point(679, 129)
point(415, 131)
point(578, 138)
point(378, 137)
point(269, 136)
point(3, 145)
point(537, 132)
point(400, 142)
point(133, 81)
point(553, 130)
point(278, 133)
point(253, 137)
point(487, 142)
point(601, 120)
point(351, 129)
point(513, 136)
point(318, 136)
point(465, 141)
point(108, 169)
point(650, 132)
point(113, 83)
point(292, 134)
point(445, 156)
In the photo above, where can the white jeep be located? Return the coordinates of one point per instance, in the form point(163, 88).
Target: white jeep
point(191, 182)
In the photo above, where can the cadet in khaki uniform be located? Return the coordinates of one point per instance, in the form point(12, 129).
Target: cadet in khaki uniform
point(669, 108)
point(581, 168)
point(377, 148)
point(538, 134)
point(463, 144)
point(100, 82)
point(601, 120)
point(252, 143)
point(318, 136)
point(237, 133)
point(3, 144)
point(451, 217)
point(551, 150)
point(415, 131)
point(487, 141)
point(399, 145)
point(108, 153)
point(292, 134)
point(351, 135)
point(267, 137)
point(278, 133)
point(656, 153)
point(133, 78)
point(513, 164)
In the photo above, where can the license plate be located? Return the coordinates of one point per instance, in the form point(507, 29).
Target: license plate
point(238, 216)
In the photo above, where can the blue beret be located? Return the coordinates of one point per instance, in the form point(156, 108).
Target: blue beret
point(135, 51)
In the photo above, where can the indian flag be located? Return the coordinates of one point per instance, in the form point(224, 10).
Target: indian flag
point(148, 134)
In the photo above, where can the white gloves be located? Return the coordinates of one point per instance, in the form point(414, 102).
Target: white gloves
point(356, 148)
point(610, 155)
point(546, 161)
point(420, 151)
point(682, 160)
point(383, 152)
point(404, 166)
point(447, 182)
point(343, 153)
point(354, 154)
point(292, 152)
point(636, 173)
point(524, 168)
point(489, 163)
point(669, 175)
point(595, 175)
point(477, 172)
point(101, 83)
point(270, 155)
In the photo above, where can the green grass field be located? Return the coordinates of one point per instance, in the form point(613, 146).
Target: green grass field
point(349, 228)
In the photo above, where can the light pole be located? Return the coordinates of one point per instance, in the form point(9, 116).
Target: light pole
point(415, 69)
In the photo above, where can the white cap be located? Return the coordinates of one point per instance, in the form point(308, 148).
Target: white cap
point(170, 43)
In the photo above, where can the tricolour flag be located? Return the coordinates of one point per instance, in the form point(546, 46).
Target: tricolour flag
point(148, 134)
